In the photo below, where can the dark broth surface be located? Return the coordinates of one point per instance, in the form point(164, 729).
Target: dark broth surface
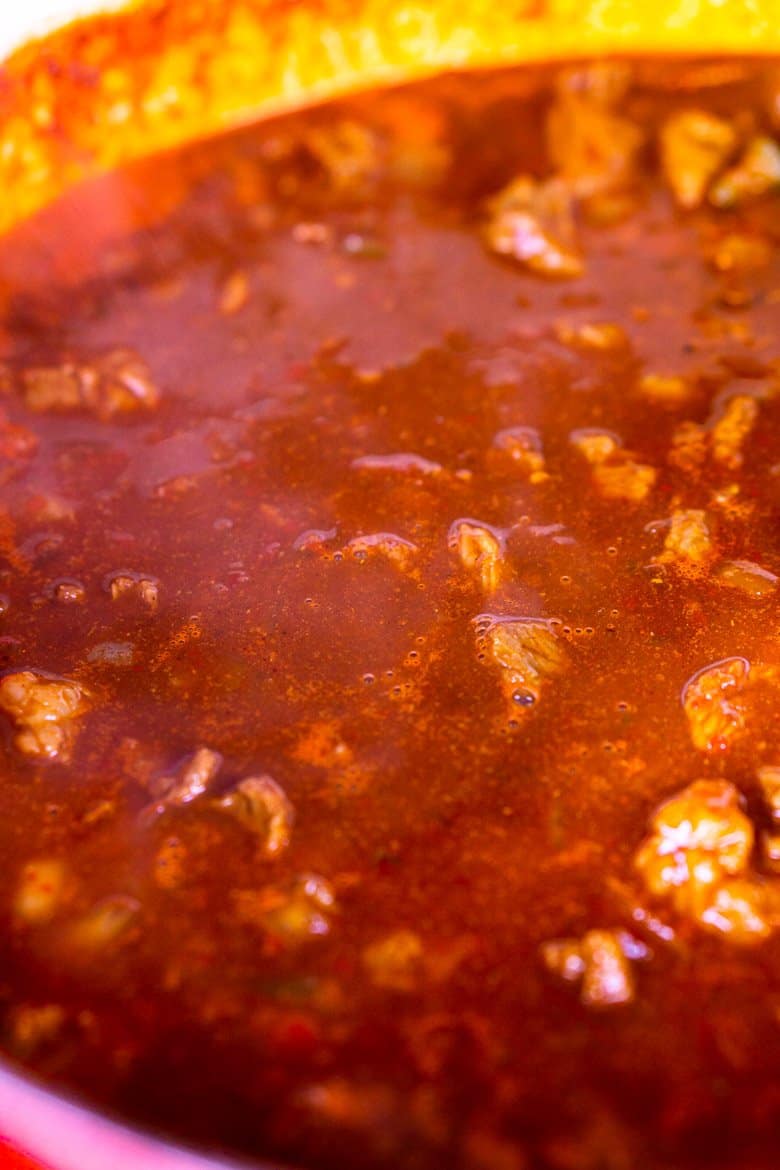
point(429, 541)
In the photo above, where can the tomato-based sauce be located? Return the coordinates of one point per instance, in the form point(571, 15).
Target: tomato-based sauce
point(391, 664)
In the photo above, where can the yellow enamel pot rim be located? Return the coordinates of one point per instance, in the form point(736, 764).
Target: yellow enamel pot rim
point(119, 85)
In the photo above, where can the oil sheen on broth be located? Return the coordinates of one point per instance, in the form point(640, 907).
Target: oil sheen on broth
point(390, 648)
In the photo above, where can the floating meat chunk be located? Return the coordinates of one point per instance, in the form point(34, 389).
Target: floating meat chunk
point(600, 962)
point(713, 704)
point(625, 480)
point(744, 909)
point(522, 447)
point(698, 857)
point(714, 701)
point(124, 385)
point(592, 147)
point(386, 544)
point(770, 847)
point(593, 337)
point(526, 650)
point(41, 890)
point(53, 388)
point(44, 711)
point(698, 838)
point(756, 173)
point(688, 545)
point(481, 551)
point(690, 446)
point(616, 475)
point(196, 778)
point(293, 914)
point(729, 432)
point(750, 578)
point(695, 146)
point(597, 446)
point(533, 223)
point(769, 781)
point(69, 593)
point(720, 439)
point(395, 962)
point(116, 384)
point(397, 549)
point(145, 589)
point(348, 151)
point(104, 924)
point(261, 805)
point(739, 252)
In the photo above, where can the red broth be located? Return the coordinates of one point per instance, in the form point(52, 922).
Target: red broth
point(390, 649)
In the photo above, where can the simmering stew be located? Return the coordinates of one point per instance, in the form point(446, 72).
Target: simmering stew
point(390, 651)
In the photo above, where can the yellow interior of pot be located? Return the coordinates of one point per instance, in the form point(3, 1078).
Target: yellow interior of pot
point(160, 73)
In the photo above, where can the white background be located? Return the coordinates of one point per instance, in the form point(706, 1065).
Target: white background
point(21, 19)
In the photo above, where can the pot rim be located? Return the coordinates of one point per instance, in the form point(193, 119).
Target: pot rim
point(64, 1132)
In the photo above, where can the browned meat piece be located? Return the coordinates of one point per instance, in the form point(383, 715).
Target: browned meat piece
point(600, 962)
point(769, 780)
point(44, 712)
point(481, 551)
point(745, 910)
point(103, 925)
point(624, 480)
point(196, 778)
point(715, 701)
point(731, 429)
point(117, 384)
point(756, 173)
point(688, 546)
point(592, 147)
point(532, 223)
point(260, 804)
point(521, 448)
point(385, 544)
point(145, 589)
point(527, 652)
point(593, 337)
point(615, 474)
point(739, 252)
point(698, 837)
point(349, 152)
point(698, 857)
point(291, 915)
point(695, 146)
